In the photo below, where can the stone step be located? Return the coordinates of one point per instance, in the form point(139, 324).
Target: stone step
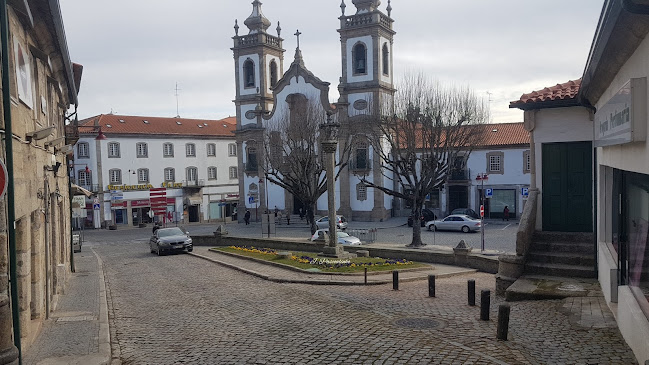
point(567, 258)
point(540, 287)
point(574, 247)
point(561, 270)
point(546, 236)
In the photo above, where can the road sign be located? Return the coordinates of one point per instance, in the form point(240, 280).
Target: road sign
point(525, 192)
point(251, 200)
point(158, 201)
point(116, 195)
point(482, 211)
point(95, 206)
point(3, 179)
point(95, 201)
point(488, 193)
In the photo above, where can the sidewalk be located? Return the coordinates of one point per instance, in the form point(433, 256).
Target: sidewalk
point(77, 331)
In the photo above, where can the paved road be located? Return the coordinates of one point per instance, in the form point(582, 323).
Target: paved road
point(499, 236)
point(182, 309)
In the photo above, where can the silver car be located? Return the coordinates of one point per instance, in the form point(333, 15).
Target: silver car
point(455, 222)
point(343, 238)
point(170, 239)
point(323, 223)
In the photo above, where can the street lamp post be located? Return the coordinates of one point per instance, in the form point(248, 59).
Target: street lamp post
point(329, 144)
point(482, 177)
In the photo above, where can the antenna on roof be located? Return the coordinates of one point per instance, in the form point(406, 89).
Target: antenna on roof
point(489, 105)
point(488, 93)
point(177, 89)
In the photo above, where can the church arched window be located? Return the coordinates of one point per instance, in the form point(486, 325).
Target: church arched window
point(360, 58)
point(386, 59)
point(273, 73)
point(249, 73)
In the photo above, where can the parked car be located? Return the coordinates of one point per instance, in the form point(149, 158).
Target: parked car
point(323, 223)
point(170, 239)
point(426, 215)
point(455, 222)
point(466, 211)
point(343, 238)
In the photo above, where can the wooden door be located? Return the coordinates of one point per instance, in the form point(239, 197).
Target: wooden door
point(567, 187)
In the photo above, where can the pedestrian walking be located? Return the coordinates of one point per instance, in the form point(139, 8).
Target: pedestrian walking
point(246, 217)
point(301, 214)
point(506, 213)
point(288, 219)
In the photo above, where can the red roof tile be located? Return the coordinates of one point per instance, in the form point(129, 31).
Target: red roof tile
point(504, 134)
point(565, 91)
point(112, 124)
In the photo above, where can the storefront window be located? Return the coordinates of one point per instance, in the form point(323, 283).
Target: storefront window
point(637, 226)
point(499, 200)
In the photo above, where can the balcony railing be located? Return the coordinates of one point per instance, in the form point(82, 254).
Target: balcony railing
point(90, 187)
point(193, 183)
point(459, 175)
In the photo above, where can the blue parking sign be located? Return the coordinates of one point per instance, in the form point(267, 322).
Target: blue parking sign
point(489, 192)
point(251, 200)
point(525, 192)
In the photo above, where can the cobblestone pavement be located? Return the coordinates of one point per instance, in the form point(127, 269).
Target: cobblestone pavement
point(181, 309)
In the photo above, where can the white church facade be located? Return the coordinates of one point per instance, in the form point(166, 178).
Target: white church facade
point(265, 93)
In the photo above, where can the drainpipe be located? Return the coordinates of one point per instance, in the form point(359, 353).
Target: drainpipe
point(11, 215)
point(48, 264)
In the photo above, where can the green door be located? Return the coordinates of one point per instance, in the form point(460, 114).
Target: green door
point(567, 187)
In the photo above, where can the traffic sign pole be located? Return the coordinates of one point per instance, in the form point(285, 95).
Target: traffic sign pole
point(482, 177)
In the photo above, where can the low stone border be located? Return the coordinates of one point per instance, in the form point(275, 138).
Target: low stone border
point(297, 269)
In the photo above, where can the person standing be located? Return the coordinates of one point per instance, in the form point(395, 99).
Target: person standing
point(506, 213)
point(246, 217)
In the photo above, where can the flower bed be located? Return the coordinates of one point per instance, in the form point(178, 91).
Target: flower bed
point(307, 260)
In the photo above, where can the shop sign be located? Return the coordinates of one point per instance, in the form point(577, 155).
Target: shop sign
point(130, 187)
point(623, 118)
point(232, 195)
point(140, 203)
point(172, 185)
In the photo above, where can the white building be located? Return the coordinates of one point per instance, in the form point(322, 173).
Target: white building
point(504, 158)
point(122, 157)
point(614, 86)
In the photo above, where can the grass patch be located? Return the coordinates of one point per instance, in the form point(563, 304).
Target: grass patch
point(309, 260)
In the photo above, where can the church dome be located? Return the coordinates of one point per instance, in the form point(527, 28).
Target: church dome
point(257, 22)
point(366, 5)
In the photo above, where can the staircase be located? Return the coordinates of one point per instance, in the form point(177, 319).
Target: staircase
point(562, 254)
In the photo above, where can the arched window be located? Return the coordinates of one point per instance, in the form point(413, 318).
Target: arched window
point(360, 58)
point(273, 73)
point(249, 73)
point(251, 164)
point(192, 175)
point(170, 174)
point(142, 149)
point(142, 176)
point(115, 176)
point(168, 150)
point(386, 59)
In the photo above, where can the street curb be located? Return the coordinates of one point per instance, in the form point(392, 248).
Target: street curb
point(104, 328)
point(321, 282)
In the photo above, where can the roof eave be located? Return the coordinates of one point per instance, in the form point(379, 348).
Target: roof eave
point(561, 103)
point(623, 25)
point(57, 17)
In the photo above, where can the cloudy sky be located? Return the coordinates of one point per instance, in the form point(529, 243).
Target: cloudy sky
point(135, 51)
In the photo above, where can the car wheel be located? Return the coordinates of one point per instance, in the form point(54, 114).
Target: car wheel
point(431, 227)
point(465, 229)
point(190, 249)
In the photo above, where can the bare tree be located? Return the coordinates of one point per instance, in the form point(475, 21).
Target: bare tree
point(293, 158)
point(418, 138)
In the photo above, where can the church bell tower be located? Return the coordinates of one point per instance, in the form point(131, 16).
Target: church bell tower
point(259, 64)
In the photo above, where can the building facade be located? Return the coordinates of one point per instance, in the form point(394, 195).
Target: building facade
point(264, 94)
point(614, 87)
point(121, 158)
point(42, 85)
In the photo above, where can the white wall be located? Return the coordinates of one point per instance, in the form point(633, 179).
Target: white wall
point(368, 97)
point(244, 109)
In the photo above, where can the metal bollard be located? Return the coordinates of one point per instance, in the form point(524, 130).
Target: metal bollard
point(485, 302)
point(431, 286)
point(365, 276)
point(471, 284)
point(395, 280)
point(503, 322)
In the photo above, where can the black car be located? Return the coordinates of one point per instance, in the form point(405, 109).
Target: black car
point(466, 211)
point(426, 215)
